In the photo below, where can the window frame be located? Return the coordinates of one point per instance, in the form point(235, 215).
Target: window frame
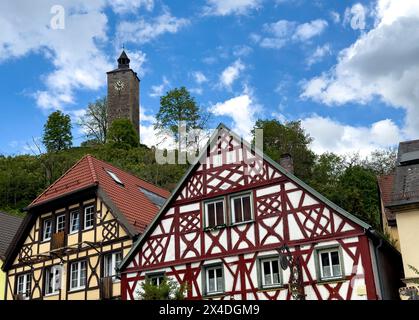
point(231, 207)
point(319, 263)
point(155, 275)
point(70, 276)
point(205, 279)
point(206, 219)
point(261, 272)
point(113, 264)
point(84, 216)
point(44, 221)
point(25, 293)
point(47, 278)
point(72, 212)
point(58, 216)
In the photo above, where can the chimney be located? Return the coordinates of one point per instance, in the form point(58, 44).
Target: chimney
point(287, 163)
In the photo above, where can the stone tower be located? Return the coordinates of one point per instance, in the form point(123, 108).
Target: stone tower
point(124, 93)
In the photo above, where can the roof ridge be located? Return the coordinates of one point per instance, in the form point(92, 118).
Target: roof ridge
point(58, 180)
point(90, 159)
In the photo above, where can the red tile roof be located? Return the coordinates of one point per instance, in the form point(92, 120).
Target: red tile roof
point(128, 198)
point(385, 184)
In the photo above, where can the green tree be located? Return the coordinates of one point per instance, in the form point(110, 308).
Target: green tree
point(178, 108)
point(57, 132)
point(289, 137)
point(122, 134)
point(167, 290)
point(95, 121)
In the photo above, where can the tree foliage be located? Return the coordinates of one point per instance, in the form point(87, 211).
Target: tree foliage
point(95, 121)
point(178, 108)
point(167, 290)
point(290, 137)
point(57, 132)
point(122, 134)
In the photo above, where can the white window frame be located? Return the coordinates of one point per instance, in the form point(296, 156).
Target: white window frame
point(113, 264)
point(56, 283)
point(57, 222)
point(72, 214)
point(85, 214)
point(217, 289)
point(271, 260)
point(24, 281)
point(207, 203)
point(233, 212)
point(320, 263)
point(44, 228)
point(158, 276)
point(78, 266)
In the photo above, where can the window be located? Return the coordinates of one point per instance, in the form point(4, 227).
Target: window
point(270, 272)
point(78, 275)
point(60, 226)
point(24, 284)
point(52, 280)
point(74, 221)
point(156, 279)
point(115, 177)
point(111, 262)
point(47, 230)
point(214, 280)
point(330, 265)
point(89, 217)
point(214, 213)
point(241, 208)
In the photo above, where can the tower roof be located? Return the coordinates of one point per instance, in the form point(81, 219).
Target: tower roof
point(123, 61)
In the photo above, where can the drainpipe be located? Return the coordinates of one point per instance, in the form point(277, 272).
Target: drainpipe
point(377, 259)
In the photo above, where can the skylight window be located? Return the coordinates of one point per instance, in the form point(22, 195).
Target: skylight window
point(115, 177)
point(154, 198)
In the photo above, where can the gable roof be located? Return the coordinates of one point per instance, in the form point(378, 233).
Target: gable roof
point(124, 190)
point(385, 185)
point(9, 226)
point(203, 152)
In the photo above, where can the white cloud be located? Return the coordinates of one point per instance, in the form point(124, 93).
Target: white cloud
point(127, 6)
point(228, 7)
point(282, 32)
point(319, 54)
point(356, 16)
point(159, 90)
point(332, 136)
point(382, 63)
point(335, 16)
point(231, 73)
point(137, 61)
point(142, 31)
point(31, 32)
point(199, 77)
point(242, 110)
point(308, 30)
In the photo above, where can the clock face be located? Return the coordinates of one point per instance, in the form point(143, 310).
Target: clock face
point(119, 85)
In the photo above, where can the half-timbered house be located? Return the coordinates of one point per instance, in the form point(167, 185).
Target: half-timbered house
point(241, 226)
point(77, 231)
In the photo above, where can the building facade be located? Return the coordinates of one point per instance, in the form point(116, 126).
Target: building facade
point(404, 206)
point(239, 226)
point(9, 225)
point(77, 232)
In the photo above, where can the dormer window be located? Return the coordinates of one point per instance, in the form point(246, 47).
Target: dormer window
point(115, 177)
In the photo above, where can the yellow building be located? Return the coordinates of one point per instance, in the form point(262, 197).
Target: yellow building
point(404, 205)
point(76, 233)
point(9, 226)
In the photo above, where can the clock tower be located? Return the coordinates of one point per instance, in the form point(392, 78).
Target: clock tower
point(124, 93)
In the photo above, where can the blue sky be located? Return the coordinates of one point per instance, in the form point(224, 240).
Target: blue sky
point(341, 67)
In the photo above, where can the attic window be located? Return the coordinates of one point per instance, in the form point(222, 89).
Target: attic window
point(154, 198)
point(115, 177)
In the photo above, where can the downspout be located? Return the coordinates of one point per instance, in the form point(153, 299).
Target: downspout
point(376, 248)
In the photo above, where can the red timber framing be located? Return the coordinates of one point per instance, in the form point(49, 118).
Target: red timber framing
point(285, 211)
